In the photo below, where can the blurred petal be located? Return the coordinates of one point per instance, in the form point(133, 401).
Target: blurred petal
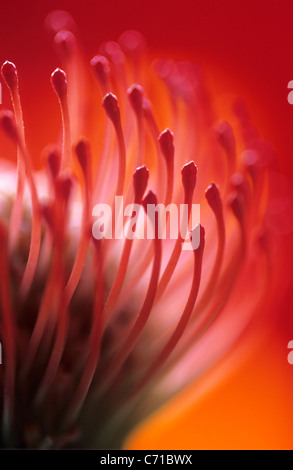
point(247, 405)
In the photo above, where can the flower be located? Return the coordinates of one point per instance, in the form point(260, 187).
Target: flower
point(98, 331)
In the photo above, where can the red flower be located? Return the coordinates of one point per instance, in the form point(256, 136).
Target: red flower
point(98, 331)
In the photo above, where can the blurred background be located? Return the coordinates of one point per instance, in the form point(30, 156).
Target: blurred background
point(245, 48)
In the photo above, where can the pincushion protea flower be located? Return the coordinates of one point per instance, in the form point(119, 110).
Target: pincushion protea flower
point(96, 333)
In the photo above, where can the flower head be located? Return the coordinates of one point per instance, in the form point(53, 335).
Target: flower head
point(99, 326)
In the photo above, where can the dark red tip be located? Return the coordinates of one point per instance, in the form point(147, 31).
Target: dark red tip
point(263, 239)
point(136, 98)
point(150, 198)
point(65, 41)
point(113, 52)
point(9, 73)
point(110, 104)
point(101, 69)
point(140, 182)
point(166, 141)
point(64, 185)
point(8, 124)
point(48, 215)
point(225, 136)
point(59, 82)
point(54, 162)
point(189, 173)
point(82, 153)
point(213, 197)
point(236, 202)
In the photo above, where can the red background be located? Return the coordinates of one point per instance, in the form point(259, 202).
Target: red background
point(248, 46)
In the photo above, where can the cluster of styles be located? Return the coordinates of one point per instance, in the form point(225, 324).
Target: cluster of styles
point(97, 330)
